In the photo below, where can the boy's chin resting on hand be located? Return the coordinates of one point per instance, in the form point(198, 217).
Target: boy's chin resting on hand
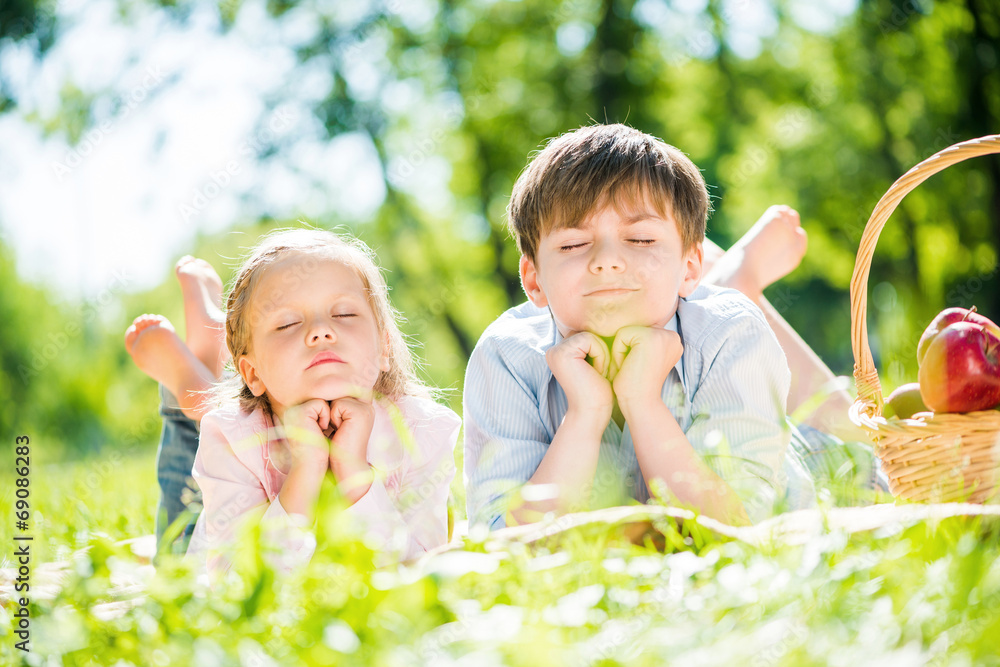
point(627, 370)
point(641, 360)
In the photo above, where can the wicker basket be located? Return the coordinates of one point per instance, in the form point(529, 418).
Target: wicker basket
point(946, 457)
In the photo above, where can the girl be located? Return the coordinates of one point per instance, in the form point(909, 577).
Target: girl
point(322, 369)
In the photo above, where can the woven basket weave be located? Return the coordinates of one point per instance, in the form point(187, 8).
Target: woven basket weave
point(946, 457)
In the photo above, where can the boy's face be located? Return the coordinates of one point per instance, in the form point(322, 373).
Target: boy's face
point(616, 269)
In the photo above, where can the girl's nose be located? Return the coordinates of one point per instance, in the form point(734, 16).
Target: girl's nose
point(321, 330)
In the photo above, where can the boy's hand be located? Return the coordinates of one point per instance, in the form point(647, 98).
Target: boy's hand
point(587, 388)
point(641, 359)
point(307, 428)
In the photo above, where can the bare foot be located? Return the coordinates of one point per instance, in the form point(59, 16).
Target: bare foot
point(204, 321)
point(770, 250)
point(155, 333)
point(159, 353)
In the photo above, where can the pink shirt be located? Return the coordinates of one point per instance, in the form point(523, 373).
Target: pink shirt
point(404, 512)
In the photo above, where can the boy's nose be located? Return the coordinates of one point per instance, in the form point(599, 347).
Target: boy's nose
point(606, 256)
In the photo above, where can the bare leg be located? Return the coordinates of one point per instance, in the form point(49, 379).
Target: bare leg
point(812, 378)
point(770, 250)
point(204, 322)
point(162, 355)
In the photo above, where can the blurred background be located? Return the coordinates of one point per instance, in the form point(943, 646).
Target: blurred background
point(132, 133)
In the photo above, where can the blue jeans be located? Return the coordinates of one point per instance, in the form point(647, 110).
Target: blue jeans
point(174, 461)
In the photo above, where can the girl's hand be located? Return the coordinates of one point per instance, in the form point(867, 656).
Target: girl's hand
point(352, 420)
point(307, 429)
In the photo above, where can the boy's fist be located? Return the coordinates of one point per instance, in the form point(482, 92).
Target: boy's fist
point(641, 359)
point(586, 386)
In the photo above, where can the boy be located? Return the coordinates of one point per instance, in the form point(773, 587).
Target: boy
point(621, 375)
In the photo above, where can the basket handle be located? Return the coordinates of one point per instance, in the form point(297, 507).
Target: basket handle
point(865, 374)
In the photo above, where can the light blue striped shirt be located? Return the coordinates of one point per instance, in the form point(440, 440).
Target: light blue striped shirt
point(727, 393)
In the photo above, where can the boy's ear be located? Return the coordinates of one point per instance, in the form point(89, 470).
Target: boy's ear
point(693, 268)
point(250, 377)
point(529, 281)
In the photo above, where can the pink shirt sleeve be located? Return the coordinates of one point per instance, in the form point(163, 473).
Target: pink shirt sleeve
point(230, 471)
point(406, 514)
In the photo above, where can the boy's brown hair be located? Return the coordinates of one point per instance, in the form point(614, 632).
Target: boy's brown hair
point(584, 169)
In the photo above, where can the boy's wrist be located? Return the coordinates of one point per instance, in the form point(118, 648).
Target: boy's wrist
point(594, 403)
point(637, 406)
point(592, 417)
point(590, 401)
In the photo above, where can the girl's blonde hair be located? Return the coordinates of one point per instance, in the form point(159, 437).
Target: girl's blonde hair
point(316, 244)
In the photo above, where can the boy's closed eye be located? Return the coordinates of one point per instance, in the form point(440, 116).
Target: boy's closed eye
point(573, 246)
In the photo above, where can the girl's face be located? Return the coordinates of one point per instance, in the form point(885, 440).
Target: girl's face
point(312, 333)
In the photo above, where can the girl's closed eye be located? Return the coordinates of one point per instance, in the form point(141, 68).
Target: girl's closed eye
point(286, 326)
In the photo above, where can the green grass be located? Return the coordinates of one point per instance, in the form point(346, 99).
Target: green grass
point(924, 593)
point(111, 495)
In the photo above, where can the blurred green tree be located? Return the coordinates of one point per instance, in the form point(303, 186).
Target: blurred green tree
point(782, 102)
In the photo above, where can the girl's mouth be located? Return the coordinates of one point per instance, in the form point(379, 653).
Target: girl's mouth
point(325, 358)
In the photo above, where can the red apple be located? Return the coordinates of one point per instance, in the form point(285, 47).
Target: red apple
point(950, 316)
point(961, 369)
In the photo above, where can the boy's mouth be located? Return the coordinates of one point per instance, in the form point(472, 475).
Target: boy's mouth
point(610, 291)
